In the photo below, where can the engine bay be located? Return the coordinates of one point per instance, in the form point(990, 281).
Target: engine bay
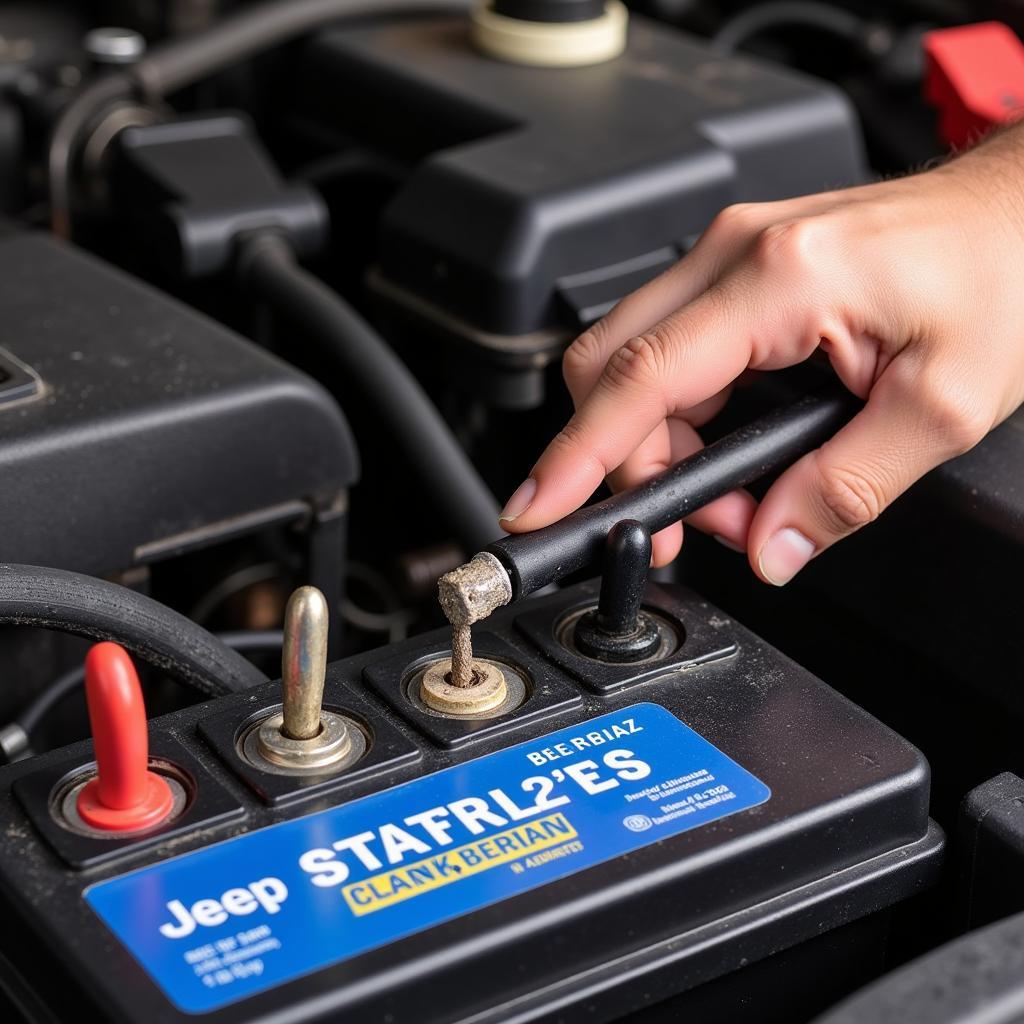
point(285, 289)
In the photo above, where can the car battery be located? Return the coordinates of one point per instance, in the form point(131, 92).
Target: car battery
point(608, 838)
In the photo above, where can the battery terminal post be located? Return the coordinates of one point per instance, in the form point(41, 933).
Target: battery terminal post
point(304, 738)
point(464, 684)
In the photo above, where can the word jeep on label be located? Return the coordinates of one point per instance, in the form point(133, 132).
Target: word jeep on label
point(268, 893)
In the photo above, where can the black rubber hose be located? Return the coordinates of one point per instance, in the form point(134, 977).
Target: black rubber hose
point(254, 29)
point(70, 127)
point(765, 17)
point(765, 446)
point(31, 595)
point(181, 62)
point(35, 711)
point(268, 269)
point(252, 639)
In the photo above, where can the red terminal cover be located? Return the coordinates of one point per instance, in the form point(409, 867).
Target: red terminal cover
point(125, 796)
point(975, 77)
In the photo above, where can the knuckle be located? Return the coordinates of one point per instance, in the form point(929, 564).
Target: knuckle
point(955, 412)
point(641, 363)
point(734, 220)
point(850, 499)
point(582, 355)
point(794, 247)
point(571, 441)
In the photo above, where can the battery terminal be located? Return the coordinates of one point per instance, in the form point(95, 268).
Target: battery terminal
point(464, 684)
point(304, 738)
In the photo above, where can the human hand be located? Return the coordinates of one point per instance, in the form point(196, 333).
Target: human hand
point(913, 288)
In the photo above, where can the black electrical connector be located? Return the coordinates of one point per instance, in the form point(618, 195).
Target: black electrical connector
point(192, 186)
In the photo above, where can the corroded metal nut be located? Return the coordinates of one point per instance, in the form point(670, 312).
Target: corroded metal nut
point(488, 691)
point(331, 744)
point(471, 592)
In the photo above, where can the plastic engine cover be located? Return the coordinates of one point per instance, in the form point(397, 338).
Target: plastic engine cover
point(538, 197)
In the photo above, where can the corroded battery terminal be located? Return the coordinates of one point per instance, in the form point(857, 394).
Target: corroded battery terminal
point(467, 595)
point(541, 557)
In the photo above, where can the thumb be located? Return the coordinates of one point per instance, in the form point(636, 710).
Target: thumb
point(902, 432)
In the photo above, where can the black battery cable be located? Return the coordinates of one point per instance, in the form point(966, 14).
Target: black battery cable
point(69, 602)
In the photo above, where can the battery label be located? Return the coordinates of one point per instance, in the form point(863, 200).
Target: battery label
point(228, 921)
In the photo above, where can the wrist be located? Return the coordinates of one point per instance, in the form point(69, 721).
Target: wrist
point(987, 183)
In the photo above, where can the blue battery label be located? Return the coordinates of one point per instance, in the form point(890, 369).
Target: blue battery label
point(234, 919)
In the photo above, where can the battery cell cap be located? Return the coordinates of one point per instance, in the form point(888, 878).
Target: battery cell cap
point(125, 796)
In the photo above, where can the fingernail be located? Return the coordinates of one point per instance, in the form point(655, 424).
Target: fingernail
point(726, 543)
point(784, 554)
point(520, 501)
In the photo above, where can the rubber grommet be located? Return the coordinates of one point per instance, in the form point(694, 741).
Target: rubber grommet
point(157, 804)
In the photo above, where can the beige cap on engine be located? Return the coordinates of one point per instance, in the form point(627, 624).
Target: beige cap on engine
point(551, 44)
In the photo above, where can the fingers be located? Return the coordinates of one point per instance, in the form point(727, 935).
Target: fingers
point(626, 376)
point(911, 423)
point(585, 359)
point(726, 237)
point(728, 518)
point(684, 360)
point(654, 455)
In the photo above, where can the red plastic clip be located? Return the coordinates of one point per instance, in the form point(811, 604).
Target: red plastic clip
point(125, 796)
point(975, 77)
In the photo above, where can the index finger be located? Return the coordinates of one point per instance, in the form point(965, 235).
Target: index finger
point(689, 356)
point(639, 311)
